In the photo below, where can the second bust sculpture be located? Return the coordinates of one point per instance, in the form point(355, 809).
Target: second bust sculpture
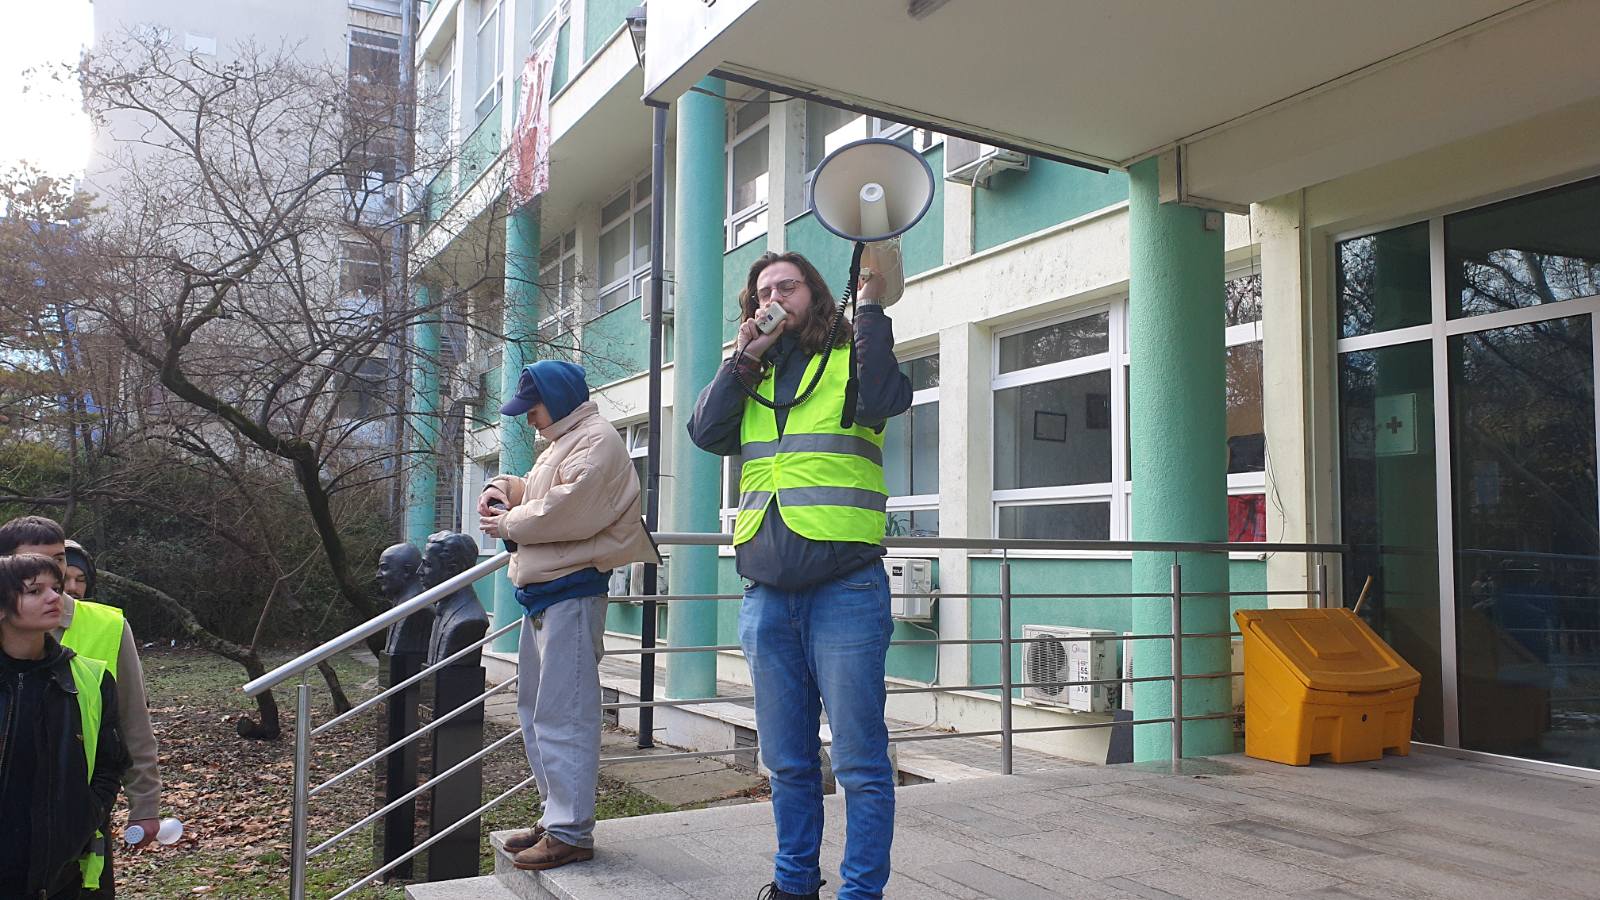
point(459, 619)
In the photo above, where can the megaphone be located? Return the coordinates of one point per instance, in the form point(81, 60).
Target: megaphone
point(869, 192)
point(872, 190)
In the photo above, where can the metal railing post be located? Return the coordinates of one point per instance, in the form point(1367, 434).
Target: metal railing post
point(1177, 663)
point(302, 784)
point(1322, 585)
point(1005, 664)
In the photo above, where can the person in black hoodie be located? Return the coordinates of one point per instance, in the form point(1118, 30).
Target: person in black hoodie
point(55, 791)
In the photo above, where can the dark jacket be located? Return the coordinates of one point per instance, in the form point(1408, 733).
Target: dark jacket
point(776, 556)
point(44, 785)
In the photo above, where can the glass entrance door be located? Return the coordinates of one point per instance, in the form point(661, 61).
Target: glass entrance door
point(1468, 466)
point(1527, 538)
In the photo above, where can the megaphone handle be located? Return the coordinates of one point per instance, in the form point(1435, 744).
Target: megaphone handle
point(852, 385)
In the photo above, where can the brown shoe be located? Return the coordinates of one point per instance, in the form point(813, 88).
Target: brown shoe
point(522, 840)
point(550, 853)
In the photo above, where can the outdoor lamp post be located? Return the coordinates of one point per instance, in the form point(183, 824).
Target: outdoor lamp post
point(652, 478)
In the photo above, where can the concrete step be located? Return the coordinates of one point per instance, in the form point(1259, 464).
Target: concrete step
point(484, 887)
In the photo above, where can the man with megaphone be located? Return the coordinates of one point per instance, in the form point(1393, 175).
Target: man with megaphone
point(804, 401)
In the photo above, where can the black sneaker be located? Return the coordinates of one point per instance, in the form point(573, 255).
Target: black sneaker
point(773, 892)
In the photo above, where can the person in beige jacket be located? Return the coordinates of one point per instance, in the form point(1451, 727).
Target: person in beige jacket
point(569, 522)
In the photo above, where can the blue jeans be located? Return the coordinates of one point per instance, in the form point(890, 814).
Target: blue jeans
point(824, 647)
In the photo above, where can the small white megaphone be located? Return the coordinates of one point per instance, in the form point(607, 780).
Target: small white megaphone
point(872, 192)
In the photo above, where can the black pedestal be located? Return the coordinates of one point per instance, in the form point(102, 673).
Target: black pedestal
point(399, 771)
point(456, 856)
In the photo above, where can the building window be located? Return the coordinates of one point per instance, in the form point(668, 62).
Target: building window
point(488, 408)
point(911, 454)
point(747, 169)
point(624, 246)
point(827, 128)
point(637, 439)
point(1244, 428)
point(360, 270)
point(490, 58)
point(374, 59)
point(1055, 434)
point(558, 281)
point(479, 471)
point(1244, 425)
point(732, 468)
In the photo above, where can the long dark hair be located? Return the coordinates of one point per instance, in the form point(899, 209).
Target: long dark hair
point(814, 334)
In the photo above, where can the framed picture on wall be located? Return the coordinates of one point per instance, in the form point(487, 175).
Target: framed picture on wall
point(1049, 426)
point(1097, 411)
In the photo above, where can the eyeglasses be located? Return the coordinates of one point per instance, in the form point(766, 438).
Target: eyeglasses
point(783, 288)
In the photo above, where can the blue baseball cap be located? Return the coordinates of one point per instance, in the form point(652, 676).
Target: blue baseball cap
point(526, 398)
point(556, 383)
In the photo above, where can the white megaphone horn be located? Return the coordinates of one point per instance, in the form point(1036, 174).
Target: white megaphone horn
point(872, 190)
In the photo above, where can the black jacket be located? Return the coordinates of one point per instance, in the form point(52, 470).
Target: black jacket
point(776, 556)
point(44, 784)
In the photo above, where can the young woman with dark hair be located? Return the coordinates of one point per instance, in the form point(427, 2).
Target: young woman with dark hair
point(61, 756)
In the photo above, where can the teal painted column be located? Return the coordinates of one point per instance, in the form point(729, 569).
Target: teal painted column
point(519, 322)
point(422, 469)
point(1179, 469)
point(696, 352)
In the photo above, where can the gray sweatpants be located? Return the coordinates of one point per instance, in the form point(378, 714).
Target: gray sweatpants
point(558, 703)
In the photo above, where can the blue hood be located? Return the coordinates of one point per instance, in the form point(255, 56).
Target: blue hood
point(557, 384)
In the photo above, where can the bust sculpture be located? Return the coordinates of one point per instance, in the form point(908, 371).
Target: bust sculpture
point(399, 579)
point(459, 619)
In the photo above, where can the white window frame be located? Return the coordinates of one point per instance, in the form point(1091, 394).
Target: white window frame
point(729, 510)
point(637, 274)
point(922, 140)
point(552, 21)
point(736, 218)
point(369, 38)
point(1116, 364)
point(441, 71)
point(563, 273)
point(493, 358)
point(475, 478)
point(488, 9)
point(925, 396)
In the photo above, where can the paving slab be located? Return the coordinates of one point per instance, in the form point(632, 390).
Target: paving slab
point(1229, 829)
point(700, 787)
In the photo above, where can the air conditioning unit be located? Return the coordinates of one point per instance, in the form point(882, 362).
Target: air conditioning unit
point(1067, 656)
point(666, 302)
point(910, 576)
point(970, 162)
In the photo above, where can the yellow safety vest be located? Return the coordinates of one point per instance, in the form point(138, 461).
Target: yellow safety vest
point(95, 632)
point(87, 674)
point(826, 481)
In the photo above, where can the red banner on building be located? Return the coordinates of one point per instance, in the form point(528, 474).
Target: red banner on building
point(530, 140)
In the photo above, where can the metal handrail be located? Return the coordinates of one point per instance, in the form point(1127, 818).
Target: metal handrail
point(358, 633)
point(414, 792)
point(393, 689)
point(420, 732)
point(1014, 545)
point(1007, 686)
point(334, 646)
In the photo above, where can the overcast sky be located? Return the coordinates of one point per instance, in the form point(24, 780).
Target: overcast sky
point(41, 119)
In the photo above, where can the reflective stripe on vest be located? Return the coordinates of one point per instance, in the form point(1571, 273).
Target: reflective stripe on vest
point(827, 481)
point(87, 674)
point(95, 632)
